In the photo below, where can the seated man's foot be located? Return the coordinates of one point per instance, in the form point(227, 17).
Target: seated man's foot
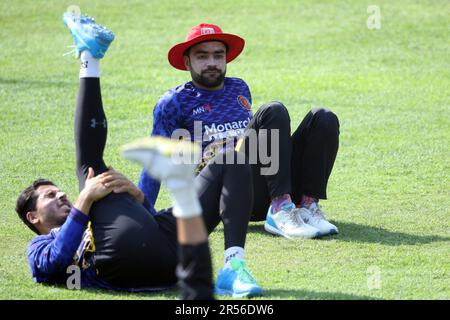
point(288, 223)
point(87, 35)
point(164, 159)
point(315, 217)
point(237, 281)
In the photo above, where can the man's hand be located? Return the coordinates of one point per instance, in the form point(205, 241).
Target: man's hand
point(119, 183)
point(94, 190)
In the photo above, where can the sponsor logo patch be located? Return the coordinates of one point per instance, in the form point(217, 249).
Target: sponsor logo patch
point(207, 31)
point(243, 102)
point(203, 109)
point(223, 130)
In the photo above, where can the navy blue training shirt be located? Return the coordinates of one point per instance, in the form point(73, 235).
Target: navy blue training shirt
point(209, 117)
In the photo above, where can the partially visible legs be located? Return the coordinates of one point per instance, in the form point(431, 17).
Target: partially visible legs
point(226, 195)
point(194, 269)
point(133, 249)
point(90, 129)
point(305, 163)
point(91, 42)
point(221, 192)
point(271, 125)
point(271, 116)
point(315, 143)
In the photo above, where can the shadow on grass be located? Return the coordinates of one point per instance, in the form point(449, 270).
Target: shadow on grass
point(367, 234)
point(268, 294)
point(283, 294)
point(160, 295)
point(312, 295)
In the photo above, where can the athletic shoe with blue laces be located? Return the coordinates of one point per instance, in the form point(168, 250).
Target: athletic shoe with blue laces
point(288, 223)
point(88, 35)
point(237, 281)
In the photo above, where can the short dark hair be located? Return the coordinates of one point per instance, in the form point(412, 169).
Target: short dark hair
point(27, 201)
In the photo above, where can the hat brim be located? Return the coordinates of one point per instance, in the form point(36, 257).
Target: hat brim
point(235, 45)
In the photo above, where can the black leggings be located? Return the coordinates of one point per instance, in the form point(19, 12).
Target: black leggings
point(226, 193)
point(305, 159)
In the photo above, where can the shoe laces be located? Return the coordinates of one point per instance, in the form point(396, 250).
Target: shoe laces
point(295, 218)
point(292, 216)
point(241, 269)
point(73, 51)
point(318, 213)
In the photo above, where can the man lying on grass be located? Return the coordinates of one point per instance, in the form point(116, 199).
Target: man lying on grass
point(109, 232)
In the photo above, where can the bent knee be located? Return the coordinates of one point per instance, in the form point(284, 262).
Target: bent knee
point(276, 108)
point(326, 119)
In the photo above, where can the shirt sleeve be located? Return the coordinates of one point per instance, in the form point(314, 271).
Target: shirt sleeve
point(150, 188)
point(50, 255)
point(247, 92)
point(167, 116)
point(166, 119)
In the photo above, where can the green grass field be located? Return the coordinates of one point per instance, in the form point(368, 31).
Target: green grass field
point(388, 193)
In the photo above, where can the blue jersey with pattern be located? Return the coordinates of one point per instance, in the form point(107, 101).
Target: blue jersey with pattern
point(50, 255)
point(208, 116)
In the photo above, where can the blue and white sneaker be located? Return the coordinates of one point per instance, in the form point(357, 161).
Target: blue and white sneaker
point(88, 35)
point(237, 281)
point(314, 216)
point(288, 223)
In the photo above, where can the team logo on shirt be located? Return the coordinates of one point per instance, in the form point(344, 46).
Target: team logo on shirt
point(243, 102)
point(202, 109)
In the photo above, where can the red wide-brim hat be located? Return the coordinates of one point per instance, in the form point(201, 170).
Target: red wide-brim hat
point(205, 32)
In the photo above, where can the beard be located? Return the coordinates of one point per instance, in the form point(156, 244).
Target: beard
point(208, 79)
point(59, 215)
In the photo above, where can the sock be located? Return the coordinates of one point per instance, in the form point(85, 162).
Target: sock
point(185, 200)
point(89, 66)
point(233, 252)
point(194, 271)
point(279, 202)
point(308, 201)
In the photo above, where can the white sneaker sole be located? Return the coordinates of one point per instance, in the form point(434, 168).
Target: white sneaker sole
point(249, 294)
point(277, 232)
point(329, 232)
point(323, 233)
